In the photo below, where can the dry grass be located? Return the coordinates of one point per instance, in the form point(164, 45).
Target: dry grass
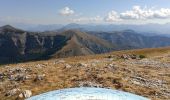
point(119, 76)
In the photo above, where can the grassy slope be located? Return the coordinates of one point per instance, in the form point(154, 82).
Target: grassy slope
point(58, 77)
point(79, 43)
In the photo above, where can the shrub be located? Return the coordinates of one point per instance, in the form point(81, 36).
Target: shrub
point(142, 56)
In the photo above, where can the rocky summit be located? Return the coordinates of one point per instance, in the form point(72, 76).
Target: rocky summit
point(144, 72)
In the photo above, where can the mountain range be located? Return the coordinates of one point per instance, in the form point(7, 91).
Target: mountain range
point(145, 29)
point(20, 45)
point(16, 44)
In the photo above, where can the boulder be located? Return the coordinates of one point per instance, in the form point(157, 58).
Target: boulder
point(25, 94)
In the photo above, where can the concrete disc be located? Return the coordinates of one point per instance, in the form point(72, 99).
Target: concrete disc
point(87, 94)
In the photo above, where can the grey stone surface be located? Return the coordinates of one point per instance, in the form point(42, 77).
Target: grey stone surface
point(87, 94)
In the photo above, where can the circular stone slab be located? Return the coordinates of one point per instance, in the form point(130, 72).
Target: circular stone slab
point(87, 94)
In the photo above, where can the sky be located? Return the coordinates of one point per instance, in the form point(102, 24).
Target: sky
point(85, 11)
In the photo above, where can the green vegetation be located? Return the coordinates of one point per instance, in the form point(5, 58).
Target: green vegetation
point(142, 56)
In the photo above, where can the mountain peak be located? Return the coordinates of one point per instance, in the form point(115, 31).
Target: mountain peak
point(10, 28)
point(7, 27)
point(72, 32)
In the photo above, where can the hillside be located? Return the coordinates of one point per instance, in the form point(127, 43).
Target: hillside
point(19, 45)
point(129, 39)
point(143, 72)
point(81, 43)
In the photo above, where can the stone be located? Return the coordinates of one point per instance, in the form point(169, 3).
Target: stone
point(82, 65)
point(1, 76)
point(25, 94)
point(12, 92)
point(148, 82)
point(124, 56)
point(59, 61)
point(133, 56)
point(90, 84)
point(67, 66)
point(149, 62)
point(39, 77)
point(130, 56)
point(20, 77)
point(40, 66)
point(20, 95)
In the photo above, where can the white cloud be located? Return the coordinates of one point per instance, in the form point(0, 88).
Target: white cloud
point(136, 13)
point(66, 11)
point(88, 19)
point(112, 16)
point(162, 13)
point(97, 18)
point(139, 13)
point(145, 13)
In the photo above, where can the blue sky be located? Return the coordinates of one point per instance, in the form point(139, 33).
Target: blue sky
point(84, 11)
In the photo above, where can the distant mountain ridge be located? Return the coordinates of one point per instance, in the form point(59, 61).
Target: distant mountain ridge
point(19, 45)
point(150, 29)
point(80, 43)
point(129, 39)
point(145, 29)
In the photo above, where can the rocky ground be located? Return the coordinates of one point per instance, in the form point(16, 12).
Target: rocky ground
point(139, 72)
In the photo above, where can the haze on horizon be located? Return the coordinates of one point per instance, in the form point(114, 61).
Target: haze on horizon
point(84, 12)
